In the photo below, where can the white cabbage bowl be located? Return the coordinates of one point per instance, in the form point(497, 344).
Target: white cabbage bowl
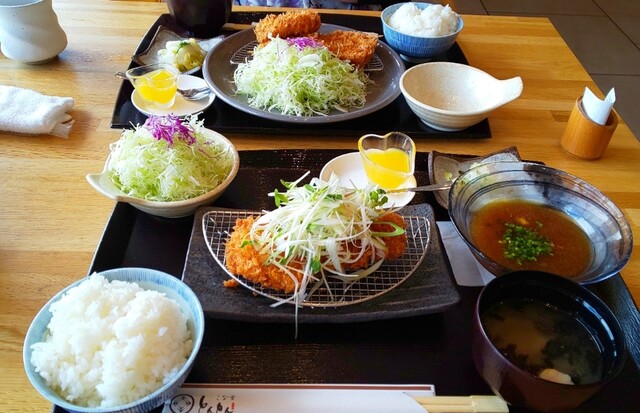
point(168, 209)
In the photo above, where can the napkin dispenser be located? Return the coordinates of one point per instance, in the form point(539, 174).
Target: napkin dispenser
point(585, 137)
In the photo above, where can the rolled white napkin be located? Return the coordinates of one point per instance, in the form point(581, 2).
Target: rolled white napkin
point(466, 269)
point(596, 109)
point(30, 112)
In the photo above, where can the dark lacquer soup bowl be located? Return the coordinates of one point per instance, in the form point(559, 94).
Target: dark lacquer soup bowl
point(525, 216)
point(544, 342)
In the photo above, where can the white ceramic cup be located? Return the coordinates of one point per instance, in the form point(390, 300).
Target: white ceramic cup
point(29, 31)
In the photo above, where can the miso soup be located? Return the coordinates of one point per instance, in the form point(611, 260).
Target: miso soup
point(523, 235)
point(536, 336)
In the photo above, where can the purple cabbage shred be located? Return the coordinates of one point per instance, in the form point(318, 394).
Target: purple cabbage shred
point(170, 127)
point(302, 42)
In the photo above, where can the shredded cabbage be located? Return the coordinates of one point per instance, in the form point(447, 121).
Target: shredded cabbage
point(167, 159)
point(300, 78)
point(313, 226)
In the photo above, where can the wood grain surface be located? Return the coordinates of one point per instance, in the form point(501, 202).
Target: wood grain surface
point(51, 220)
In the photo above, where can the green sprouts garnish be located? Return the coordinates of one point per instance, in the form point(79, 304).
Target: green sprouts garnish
point(378, 197)
point(524, 244)
point(311, 233)
point(279, 198)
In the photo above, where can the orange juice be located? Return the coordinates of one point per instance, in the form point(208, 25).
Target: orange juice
point(158, 87)
point(389, 168)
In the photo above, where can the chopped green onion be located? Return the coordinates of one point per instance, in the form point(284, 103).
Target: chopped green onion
point(524, 244)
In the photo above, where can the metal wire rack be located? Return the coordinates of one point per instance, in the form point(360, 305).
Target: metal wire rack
point(218, 224)
point(245, 53)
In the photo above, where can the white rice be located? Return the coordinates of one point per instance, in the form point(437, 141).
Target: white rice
point(110, 344)
point(435, 20)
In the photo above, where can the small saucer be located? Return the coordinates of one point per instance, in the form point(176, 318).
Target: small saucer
point(349, 169)
point(181, 107)
point(447, 167)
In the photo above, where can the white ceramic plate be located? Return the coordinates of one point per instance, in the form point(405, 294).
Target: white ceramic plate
point(349, 169)
point(181, 107)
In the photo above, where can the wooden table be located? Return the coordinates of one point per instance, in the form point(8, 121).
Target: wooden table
point(51, 220)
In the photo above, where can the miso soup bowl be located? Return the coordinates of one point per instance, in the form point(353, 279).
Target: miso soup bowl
point(602, 221)
point(521, 388)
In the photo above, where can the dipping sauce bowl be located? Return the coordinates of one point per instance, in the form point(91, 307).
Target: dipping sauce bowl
point(389, 160)
point(156, 83)
point(605, 227)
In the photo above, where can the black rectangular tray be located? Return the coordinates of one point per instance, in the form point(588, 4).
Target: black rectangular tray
point(430, 289)
point(224, 118)
point(429, 349)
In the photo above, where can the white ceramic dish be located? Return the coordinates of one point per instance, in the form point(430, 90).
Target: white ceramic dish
point(349, 169)
point(451, 96)
point(174, 209)
point(181, 107)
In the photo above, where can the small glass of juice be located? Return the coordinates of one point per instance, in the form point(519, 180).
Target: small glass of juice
point(156, 84)
point(388, 160)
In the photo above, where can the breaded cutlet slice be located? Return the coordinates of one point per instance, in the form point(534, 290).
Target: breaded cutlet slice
point(354, 46)
point(293, 23)
point(247, 262)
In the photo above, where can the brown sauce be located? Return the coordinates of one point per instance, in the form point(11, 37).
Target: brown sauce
point(571, 248)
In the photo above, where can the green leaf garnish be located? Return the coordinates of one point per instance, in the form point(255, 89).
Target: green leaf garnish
point(279, 198)
point(397, 230)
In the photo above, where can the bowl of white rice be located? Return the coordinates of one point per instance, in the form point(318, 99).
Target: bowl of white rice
point(121, 340)
point(420, 31)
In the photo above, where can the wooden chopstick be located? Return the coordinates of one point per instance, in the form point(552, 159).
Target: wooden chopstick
point(462, 404)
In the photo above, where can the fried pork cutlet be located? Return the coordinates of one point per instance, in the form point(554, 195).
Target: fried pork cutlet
point(356, 47)
point(294, 23)
point(244, 260)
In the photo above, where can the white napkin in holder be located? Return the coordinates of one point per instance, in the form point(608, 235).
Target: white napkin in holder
point(598, 110)
point(590, 127)
point(30, 112)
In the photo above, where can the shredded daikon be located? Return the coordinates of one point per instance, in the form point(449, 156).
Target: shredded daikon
point(300, 78)
point(311, 231)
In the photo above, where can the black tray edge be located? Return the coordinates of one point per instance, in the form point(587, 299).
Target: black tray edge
point(124, 115)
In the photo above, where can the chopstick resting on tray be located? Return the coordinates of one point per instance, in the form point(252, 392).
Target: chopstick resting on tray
point(462, 404)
